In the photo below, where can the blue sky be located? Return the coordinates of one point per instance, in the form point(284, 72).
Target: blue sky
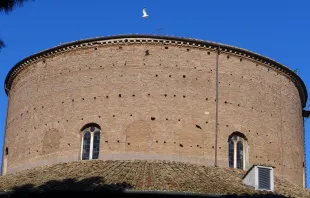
point(276, 29)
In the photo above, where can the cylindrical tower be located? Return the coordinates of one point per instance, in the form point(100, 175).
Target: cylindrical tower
point(155, 98)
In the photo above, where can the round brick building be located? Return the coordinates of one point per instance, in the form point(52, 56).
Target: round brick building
point(154, 98)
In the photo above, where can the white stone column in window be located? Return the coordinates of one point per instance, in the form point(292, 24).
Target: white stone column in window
point(81, 154)
point(235, 154)
point(91, 145)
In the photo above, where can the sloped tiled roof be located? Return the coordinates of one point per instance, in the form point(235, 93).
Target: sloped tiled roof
point(142, 175)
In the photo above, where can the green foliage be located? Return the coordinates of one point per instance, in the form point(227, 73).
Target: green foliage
point(7, 6)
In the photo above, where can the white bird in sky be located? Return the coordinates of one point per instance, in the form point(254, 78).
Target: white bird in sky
point(144, 13)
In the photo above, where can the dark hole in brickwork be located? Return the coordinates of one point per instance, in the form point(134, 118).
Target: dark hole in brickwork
point(227, 56)
point(174, 95)
point(118, 141)
point(21, 114)
point(152, 118)
point(42, 107)
point(181, 145)
point(120, 95)
point(184, 96)
point(156, 75)
point(95, 48)
point(113, 115)
point(225, 102)
point(164, 142)
point(68, 144)
point(166, 47)
point(197, 145)
point(130, 114)
point(128, 143)
point(226, 125)
point(197, 126)
point(44, 61)
point(220, 147)
point(187, 50)
point(165, 95)
point(67, 120)
point(82, 98)
point(6, 151)
point(95, 98)
point(82, 118)
point(212, 146)
point(62, 102)
point(120, 47)
point(169, 75)
point(184, 76)
point(72, 100)
point(156, 141)
point(133, 95)
point(238, 105)
point(208, 53)
point(207, 122)
point(148, 94)
point(167, 119)
point(240, 59)
point(99, 116)
point(107, 96)
point(35, 109)
point(179, 120)
point(106, 141)
point(147, 52)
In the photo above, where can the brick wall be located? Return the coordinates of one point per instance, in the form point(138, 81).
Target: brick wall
point(122, 87)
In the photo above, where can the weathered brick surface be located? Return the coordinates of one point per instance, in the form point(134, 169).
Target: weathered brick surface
point(121, 88)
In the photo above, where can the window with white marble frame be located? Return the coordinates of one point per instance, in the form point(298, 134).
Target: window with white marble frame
point(237, 151)
point(90, 144)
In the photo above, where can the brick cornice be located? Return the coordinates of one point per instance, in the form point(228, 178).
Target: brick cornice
point(156, 39)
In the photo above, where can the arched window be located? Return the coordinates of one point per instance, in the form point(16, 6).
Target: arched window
point(90, 141)
point(237, 150)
